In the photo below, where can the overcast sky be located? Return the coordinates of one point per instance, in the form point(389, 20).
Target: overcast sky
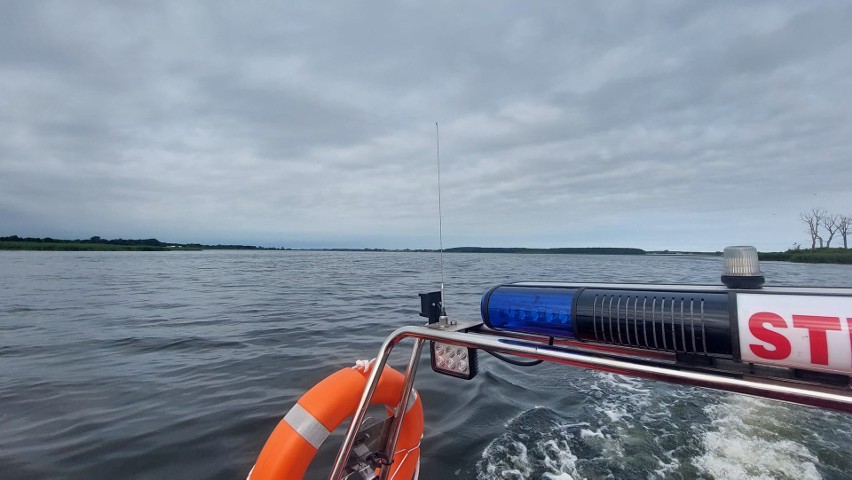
point(679, 125)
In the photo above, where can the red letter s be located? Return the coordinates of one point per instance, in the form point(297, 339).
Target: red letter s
point(780, 343)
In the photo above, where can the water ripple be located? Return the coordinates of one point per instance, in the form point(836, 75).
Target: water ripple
point(179, 364)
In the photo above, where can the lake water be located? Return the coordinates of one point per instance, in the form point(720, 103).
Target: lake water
point(179, 364)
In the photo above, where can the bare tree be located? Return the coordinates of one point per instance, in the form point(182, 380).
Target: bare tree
point(843, 222)
point(830, 223)
point(813, 219)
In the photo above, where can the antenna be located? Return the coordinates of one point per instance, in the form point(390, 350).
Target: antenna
point(443, 317)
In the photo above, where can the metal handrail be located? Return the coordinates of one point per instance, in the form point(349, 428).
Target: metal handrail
point(839, 399)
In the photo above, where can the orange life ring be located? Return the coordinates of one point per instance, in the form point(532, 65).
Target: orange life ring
point(294, 442)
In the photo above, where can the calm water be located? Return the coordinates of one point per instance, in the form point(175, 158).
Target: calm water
point(179, 364)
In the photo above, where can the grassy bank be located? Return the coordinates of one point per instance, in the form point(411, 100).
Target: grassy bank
point(15, 242)
point(820, 255)
point(77, 246)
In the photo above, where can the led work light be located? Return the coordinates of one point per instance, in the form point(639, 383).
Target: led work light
point(453, 360)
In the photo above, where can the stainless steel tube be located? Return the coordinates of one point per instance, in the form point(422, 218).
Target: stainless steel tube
point(372, 381)
point(831, 398)
point(410, 372)
point(839, 399)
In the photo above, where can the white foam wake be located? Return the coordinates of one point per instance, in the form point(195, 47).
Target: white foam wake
point(744, 442)
point(535, 446)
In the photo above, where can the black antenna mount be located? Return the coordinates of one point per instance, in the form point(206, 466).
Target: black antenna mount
point(432, 307)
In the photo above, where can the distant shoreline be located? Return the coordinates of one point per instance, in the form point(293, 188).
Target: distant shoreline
point(550, 251)
point(154, 245)
point(102, 245)
point(821, 255)
point(825, 255)
point(137, 245)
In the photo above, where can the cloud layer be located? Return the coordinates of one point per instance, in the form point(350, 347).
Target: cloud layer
point(655, 125)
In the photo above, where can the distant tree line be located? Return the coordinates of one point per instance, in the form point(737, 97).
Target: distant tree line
point(148, 242)
point(823, 227)
point(152, 243)
point(581, 250)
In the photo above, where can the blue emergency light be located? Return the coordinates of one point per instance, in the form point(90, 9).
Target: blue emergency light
point(681, 319)
point(803, 334)
point(677, 319)
point(541, 310)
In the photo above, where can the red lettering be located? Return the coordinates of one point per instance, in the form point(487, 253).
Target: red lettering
point(849, 322)
point(817, 326)
point(781, 346)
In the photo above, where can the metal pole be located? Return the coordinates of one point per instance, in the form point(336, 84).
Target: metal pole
point(410, 372)
point(358, 417)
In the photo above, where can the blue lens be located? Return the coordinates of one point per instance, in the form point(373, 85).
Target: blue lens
point(539, 310)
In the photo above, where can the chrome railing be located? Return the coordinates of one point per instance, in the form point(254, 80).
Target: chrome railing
point(837, 397)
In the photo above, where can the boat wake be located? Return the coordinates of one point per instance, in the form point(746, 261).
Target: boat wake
point(537, 444)
point(631, 428)
point(748, 438)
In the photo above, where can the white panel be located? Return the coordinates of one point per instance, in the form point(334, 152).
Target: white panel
point(812, 332)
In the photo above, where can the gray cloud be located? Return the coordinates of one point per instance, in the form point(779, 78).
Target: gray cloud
point(657, 125)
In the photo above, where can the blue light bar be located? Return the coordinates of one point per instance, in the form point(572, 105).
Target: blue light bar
point(531, 309)
point(714, 327)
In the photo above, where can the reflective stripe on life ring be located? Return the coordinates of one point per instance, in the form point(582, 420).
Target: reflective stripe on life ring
point(294, 442)
point(306, 426)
